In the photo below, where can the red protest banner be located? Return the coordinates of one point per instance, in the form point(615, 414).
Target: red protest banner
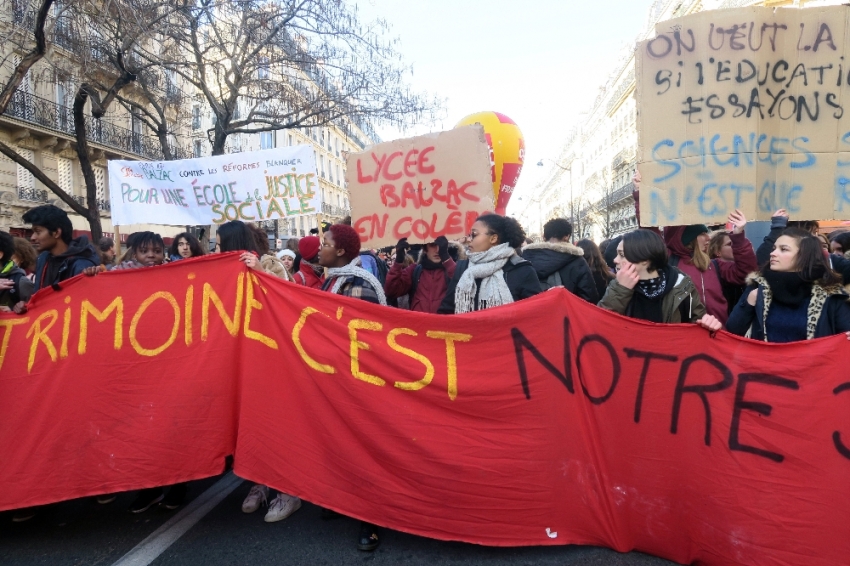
point(498, 428)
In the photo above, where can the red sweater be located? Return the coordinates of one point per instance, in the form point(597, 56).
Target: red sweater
point(430, 291)
point(307, 277)
point(707, 282)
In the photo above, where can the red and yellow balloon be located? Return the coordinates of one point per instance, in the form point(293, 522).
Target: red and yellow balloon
point(507, 153)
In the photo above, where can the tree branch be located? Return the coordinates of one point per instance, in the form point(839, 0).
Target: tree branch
point(47, 181)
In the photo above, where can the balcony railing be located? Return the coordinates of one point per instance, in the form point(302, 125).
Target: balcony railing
point(60, 118)
point(334, 210)
point(101, 203)
point(32, 195)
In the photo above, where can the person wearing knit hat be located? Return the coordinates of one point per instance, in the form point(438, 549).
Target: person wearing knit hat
point(688, 249)
point(690, 233)
point(288, 259)
point(340, 254)
point(310, 273)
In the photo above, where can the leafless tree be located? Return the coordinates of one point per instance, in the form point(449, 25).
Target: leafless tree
point(98, 40)
point(261, 66)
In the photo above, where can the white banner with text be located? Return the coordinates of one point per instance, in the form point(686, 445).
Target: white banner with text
point(252, 187)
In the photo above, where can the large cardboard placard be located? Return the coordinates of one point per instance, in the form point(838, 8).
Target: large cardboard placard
point(251, 186)
point(745, 108)
point(420, 188)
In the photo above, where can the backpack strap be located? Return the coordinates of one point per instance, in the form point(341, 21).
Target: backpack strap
point(716, 263)
point(301, 276)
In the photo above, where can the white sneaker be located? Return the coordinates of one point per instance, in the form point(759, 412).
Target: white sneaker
point(258, 495)
point(282, 507)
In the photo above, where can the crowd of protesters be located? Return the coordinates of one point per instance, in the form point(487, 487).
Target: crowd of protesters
point(790, 288)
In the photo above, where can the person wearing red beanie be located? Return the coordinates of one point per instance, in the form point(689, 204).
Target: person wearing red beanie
point(310, 273)
point(340, 253)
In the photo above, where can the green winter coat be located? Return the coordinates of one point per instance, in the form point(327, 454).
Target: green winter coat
point(617, 299)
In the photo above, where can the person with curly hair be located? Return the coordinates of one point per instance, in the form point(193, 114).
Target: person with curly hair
point(493, 274)
point(340, 254)
point(185, 245)
point(25, 255)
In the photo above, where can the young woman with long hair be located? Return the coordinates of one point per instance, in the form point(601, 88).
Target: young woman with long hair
point(688, 247)
point(795, 296)
point(602, 276)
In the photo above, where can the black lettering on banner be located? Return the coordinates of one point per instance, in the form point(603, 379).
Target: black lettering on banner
point(699, 390)
point(520, 342)
point(836, 436)
point(681, 44)
point(659, 53)
point(615, 362)
point(761, 408)
point(647, 360)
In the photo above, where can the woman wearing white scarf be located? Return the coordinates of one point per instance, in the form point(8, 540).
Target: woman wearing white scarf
point(493, 274)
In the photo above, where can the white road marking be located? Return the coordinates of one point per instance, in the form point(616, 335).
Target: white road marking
point(158, 542)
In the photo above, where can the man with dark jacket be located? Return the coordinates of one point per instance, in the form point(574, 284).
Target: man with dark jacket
point(558, 262)
point(427, 281)
point(60, 256)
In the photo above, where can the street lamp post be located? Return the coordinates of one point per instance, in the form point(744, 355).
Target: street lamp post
point(570, 170)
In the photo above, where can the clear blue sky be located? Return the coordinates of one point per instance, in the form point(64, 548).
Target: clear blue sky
point(540, 62)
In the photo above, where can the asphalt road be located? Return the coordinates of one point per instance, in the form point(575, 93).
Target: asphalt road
point(84, 533)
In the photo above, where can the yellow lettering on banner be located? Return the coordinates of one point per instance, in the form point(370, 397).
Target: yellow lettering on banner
point(429, 367)
point(296, 339)
point(251, 304)
point(354, 325)
point(451, 358)
point(86, 308)
point(231, 323)
point(8, 324)
point(66, 330)
point(141, 350)
point(39, 334)
point(189, 306)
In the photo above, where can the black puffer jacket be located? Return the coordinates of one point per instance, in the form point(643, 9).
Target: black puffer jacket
point(568, 261)
point(519, 275)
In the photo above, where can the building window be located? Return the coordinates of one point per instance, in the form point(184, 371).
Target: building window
point(25, 178)
point(266, 140)
point(198, 149)
point(263, 68)
point(65, 171)
point(100, 183)
point(196, 117)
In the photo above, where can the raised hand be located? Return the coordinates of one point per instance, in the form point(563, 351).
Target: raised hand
point(627, 275)
point(738, 220)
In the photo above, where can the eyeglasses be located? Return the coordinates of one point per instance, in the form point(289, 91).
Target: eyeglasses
point(473, 234)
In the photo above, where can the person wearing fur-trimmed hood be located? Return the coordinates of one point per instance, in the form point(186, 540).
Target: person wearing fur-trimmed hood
point(558, 262)
point(796, 296)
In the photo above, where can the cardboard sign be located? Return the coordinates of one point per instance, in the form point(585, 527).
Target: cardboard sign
point(420, 188)
point(745, 108)
point(252, 186)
